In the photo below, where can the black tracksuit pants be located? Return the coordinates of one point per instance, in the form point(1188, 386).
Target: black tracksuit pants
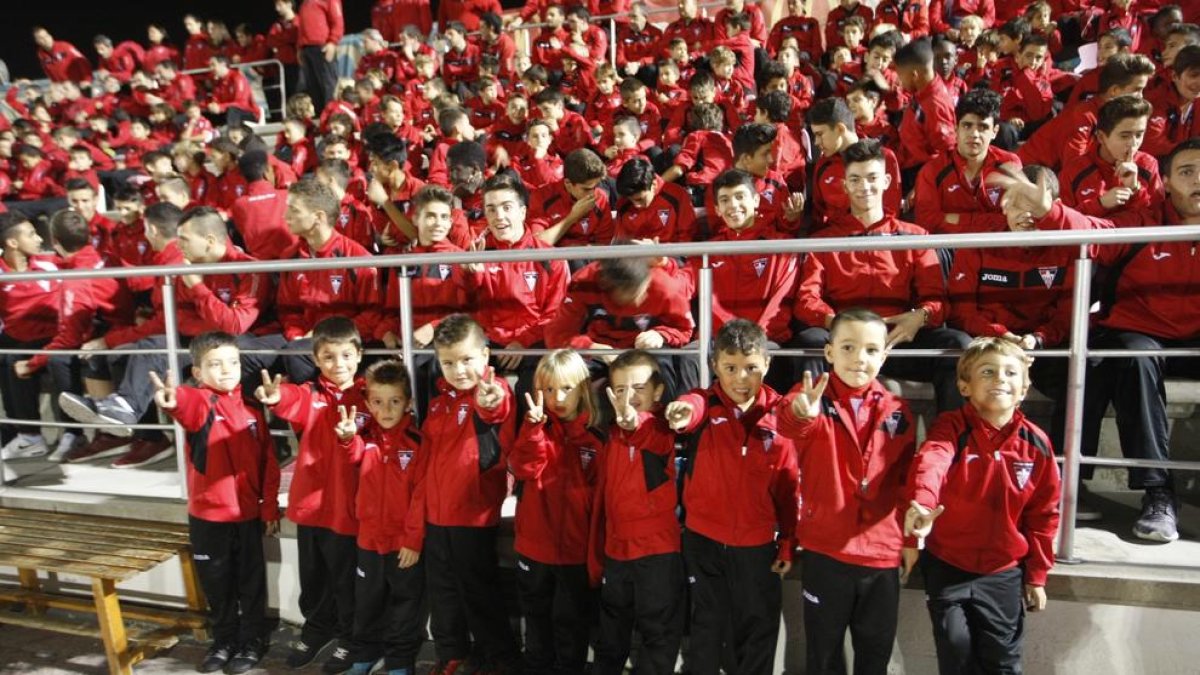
point(388, 611)
point(327, 561)
point(233, 573)
point(556, 604)
point(736, 603)
point(647, 594)
point(978, 619)
point(839, 596)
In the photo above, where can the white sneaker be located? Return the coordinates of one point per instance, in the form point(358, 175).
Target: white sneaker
point(66, 443)
point(24, 447)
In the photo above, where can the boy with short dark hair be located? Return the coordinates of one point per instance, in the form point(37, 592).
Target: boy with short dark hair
point(833, 131)
point(233, 490)
point(466, 438)
point(861, 438)
point(739, 496)
point(575, 210)
point(650, 208)
point(927, 127)
point(988, 476)
point(321, 499)
point(1115, 175)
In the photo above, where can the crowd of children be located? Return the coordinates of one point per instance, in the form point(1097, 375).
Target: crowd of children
point(899, 121)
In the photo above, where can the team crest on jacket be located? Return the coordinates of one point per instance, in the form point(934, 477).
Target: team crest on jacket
point(531, 279)
point(252, 426)
point(360, 420)
point(642, 321)
point(443, 271)
point(892, 423)
point(335, 281)
point(141, 246)
point(994, 195)
point(1021, 472)
point(664, 215)
point(225, 294)
point(586, 455)
point(584, 225)
point(404, 457)
point(760, 266)
point(462, 412)
point(1048, 275)
point(769, 195)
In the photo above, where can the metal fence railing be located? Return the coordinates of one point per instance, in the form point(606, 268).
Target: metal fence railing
point(1077, 351)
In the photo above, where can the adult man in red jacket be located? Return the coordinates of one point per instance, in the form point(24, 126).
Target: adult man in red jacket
point(61, 61)
point(320, 27)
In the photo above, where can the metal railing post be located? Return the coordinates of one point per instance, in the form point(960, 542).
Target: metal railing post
point(168, 310)
point(282, 90)
point(1076, 376)
point(706, 297)
point(612, 41)
point(406, 331)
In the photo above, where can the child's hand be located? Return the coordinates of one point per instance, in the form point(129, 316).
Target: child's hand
point(407, 558)
point(807, 403)
point(1127, 173)
point(272, 529)
point(679, 414)
point(537, 409)
point(268, 392)
point(488, 394)
point(904, 326)
point(793, 210)
point(918, 520)
point(650, 339)
point(626, 414)
point(781, 567)
point(1035, 598)
point(164, 392)
point(346, 427)
point(909, 556)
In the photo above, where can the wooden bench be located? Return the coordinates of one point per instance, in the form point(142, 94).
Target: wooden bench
point(108, 551)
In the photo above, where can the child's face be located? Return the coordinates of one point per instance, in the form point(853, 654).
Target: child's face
point(996, 384)
point(339, 129)
point(387, 403)
point(160, 167)
point(425, 69)
point(1125, 139)
point(862, 106)
point(857, 350)
point(539, 137)
point(705, 94)
point(563, 399)
point(28, 241)
point(607, 84)
point(1032, 57)
point(679, 52)
point(489, 92)
point(969, 33)
point(1188, 84)
point(220, 368)
point(988, 55)
point(129, 212)
point(517, 110)
point(879, 58)
point(852, 36)
point(1106, 49)
point(1040, 19)
point(635, 102)
point(623, 138)
point(293, 132)
point(828, 138)
point(1171, 47)
point(434, 221)
point(1008, 45)
point(393, 114)
point(463, 363)
point(723, 71)
point(945, 58)
point(338, 361)
point(636, 379)
point(865, 184)
point(139, 131)
point(551, 111)
point(668, 76)
point(741, 375)
point(974, 135)
point(841, 56)
point(80, 161)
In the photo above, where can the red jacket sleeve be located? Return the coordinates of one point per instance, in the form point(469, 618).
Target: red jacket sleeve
point(337, 23)
point(785, 492)
point(269, 510)
point(698, 399)
point(929, 285)
point(931, 464)
point(240, 314)
point(811, 307)
point(294, 403)
point(191, 409)
point(566, 328)
point(1039, 523)
point(532, 453)
point(74, 322)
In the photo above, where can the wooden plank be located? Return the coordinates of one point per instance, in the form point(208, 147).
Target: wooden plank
point(181, 619)
point(82, 569)
point(58, 554)
point(151, 557)
point(195, 594)
point(52, 522)
point(91, 537)
point(112, 627)
point(128, 523)
point(85, 629)
point(30, 582)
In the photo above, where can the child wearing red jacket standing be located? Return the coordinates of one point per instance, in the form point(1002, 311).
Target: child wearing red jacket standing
point(233, 490)
point(555, 462)
point(322, 495)
point(987, 475)
point(634, 545)
point(739, 495)
point(854, 443)
point(465, 439)
point(390, 585)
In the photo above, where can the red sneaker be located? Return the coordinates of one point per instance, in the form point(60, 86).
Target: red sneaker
point(145, 452)
point(102, 445)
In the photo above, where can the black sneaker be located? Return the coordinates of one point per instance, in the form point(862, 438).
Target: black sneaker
point(304, 653)
point(216, 658)
point(1158, 520)
point(247, 657)
point(338, 662)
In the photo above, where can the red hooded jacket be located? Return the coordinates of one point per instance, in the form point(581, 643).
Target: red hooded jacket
point(390, 503)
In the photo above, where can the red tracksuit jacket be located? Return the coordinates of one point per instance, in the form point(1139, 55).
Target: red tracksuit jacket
point(552, 203)
point(461, 66)
point(1027, 95)
point(670, 216)
point(699, 34)
point(1069, 134)
point(325, 483)
point(436, 292)
point(830, 203)
point(1000, 489)
point(320, 22)
point(755, 287)
point(807, 32)
point(909, 16)
point(837, 17)
point(83, 303)
point(927, 127)
point(588, 316)
point(38, 182)
point(466, 449)
point(942, 187)
point(258, 216)
point(1155, 291)
point(637, 47)
point(634, 512)
point(64, 63)
point(555, 464)
point(886, 282)
point(29, 309)
point(515, 301)
point(704, 156)
point(1020, 290)
point(773, 193)
point(1085, 180)
point(940, 23)
point(232, 473)
point(389, 505)
point(741, 487)
point(229, 302)
point(233, 91)
point(1170, 126)
point(305, 298)
point(855, 455)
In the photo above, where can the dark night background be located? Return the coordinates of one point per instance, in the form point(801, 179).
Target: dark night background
point(79, 22)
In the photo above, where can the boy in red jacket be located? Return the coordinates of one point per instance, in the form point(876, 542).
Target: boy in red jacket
point(739, 495)
point(465, 441)
point(859, 439)
point(634, 548)
point(233, 491)
point(322, 495)
point(1115, 176)
point(390, 585)
point(987, 475)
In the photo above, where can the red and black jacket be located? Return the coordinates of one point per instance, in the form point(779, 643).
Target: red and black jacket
point(436, 292)
point(942, 187)
point(1085, 179)
point(305, 298)
point(389, 505)
point(258, 216)
point(927, 127)
point(830, 203)
point(29, 309)
point(670, 216)
point(552, 203)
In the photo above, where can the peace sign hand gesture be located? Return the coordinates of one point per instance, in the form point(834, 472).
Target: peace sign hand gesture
point(346, 427)
point(164, 392)
point(537, 409)
point(807, 403)
point(626, 414)
point(268, 392)
point(488, 394)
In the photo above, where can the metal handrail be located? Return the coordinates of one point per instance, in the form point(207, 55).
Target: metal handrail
point(253, 64)
point(1077, 348)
